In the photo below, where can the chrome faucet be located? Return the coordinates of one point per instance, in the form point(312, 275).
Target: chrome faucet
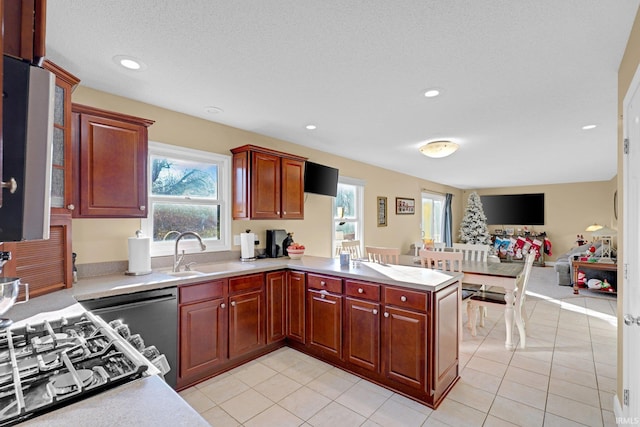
point(177, 261)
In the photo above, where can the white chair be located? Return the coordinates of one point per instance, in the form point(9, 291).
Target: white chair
point(353, 247)
point(439, 246)
point(472, 252)
point(494, 299)
point(383, 255)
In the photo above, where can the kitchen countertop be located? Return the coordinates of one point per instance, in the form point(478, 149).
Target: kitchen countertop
point(150, 401)
point(400, 275)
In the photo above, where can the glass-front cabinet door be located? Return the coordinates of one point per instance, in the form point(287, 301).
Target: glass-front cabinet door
point(61, 197)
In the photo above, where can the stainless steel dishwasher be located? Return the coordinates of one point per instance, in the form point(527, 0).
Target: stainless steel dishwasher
point(152, 314)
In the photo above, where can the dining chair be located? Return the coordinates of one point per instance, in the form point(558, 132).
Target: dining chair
point(439, 246)
point(472, 252)
point(353, 247)
point(487, 299)
point(383, 255)
point(450, 262)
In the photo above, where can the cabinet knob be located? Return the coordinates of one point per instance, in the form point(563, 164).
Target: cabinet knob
point(323, 283)
point(223, 305)
point(322, 296)
point(386, 314)
point(360, 291)
point(143, 207)
point(71, 206)
point(375, 311)
point(11, 185)
point(403, 298)
point(233, 303)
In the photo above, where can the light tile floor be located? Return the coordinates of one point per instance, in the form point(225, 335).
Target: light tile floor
point(565, 377)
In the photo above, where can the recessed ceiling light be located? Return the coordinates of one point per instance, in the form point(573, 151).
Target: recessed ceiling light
point(213, 110)
point(311, 127)
point(587, 127)
point(431, 93)
point(129, 62)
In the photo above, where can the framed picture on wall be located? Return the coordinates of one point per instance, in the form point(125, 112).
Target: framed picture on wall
point(382, 211)
point(405, 206)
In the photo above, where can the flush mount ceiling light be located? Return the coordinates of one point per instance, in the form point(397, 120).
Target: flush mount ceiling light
point(311, 127)
point(129, 62)
point(438, 149)
point(588, 127)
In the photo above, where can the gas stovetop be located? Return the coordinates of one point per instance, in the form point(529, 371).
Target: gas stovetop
point(54, 363)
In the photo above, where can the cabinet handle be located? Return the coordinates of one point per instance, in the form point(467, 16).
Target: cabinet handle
point(403, 298)
point(11, 185)
point(386, 314)
point(223, 305)
point(233, 303)
point(143, 207)
point(375, 311)
point(323, 283)
point(360, 291)
point(71, 206)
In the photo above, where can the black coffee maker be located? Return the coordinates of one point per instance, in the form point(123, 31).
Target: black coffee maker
point(275, 241)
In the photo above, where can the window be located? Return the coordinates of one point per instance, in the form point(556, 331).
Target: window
point(189, 190)
point(432, 217)
point(347, 212)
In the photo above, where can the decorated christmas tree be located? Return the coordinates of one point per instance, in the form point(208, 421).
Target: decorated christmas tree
point(473, 228)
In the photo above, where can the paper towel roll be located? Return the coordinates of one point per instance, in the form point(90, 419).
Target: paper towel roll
point(247, 246)
point(139, 256)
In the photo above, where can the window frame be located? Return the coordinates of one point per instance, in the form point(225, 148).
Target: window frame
point(223, 163)
point(434, 197)
point(359, 213)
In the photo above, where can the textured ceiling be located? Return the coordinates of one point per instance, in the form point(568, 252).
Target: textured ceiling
point(518, 78)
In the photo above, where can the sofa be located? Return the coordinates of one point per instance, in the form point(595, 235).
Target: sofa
point(563, 267)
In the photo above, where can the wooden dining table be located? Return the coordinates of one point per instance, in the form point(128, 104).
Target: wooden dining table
point(501, 274)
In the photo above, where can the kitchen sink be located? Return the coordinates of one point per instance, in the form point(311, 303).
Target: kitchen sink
point(184, 274)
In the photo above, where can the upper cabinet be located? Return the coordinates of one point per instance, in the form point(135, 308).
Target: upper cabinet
point(24, 24)
point(267, 184)
point(61, 171)
point(110, 173)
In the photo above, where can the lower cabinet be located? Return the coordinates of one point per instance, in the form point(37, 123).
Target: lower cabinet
point(296, 319)
point(221, 323)
point(405, 346)
point(246, 314)
point(203, 329)
point(402, 338)
point(324, 326)
point(362, 333)
point(276, 289)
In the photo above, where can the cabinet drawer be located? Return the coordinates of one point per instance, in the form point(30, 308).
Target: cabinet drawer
point(362, 290)
point(331, 284)
point(246, 283)
point(406, 298)
point(202, 291)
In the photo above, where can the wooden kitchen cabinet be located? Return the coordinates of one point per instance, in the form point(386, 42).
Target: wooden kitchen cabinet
point(324, 314)
point(276, 290)
point(445, 356)
point(404, 342)
point(267, 184)
point(111, 171)
point(246, 314)
point(295, 306)
point(62, 166)
point(203, 327)
point(24, 27)
point(362, 325)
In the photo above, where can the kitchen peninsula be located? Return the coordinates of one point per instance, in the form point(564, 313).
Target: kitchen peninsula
point(356, 317)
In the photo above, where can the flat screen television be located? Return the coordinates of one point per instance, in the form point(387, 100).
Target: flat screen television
point(514, 209)
point(320, 179)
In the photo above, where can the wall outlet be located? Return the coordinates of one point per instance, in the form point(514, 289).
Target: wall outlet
point(236, 239)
